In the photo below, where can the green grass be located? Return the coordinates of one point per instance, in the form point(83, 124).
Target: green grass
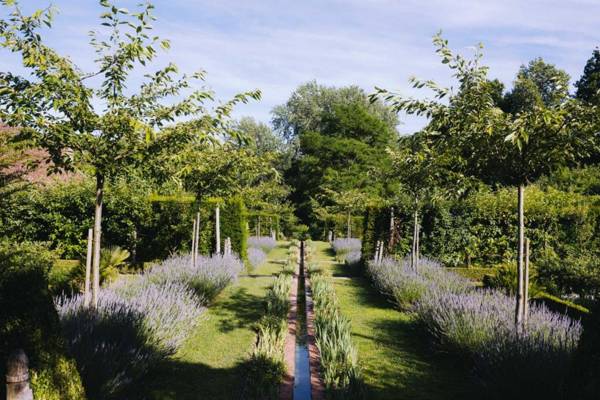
point(212, 361)
point(396, 361)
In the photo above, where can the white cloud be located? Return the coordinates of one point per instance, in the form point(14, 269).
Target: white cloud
point(275, 45)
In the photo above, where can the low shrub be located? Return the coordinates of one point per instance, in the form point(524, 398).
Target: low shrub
point(341, 374)
point(171, 310)
point(207, 278)
point(508, 364)
point(256, 257)
point(342, 247)
point(113, 345)
point(140, 320)
point(265, 243)
point(479, 326)
point(28, 320)
point(353, 258)
point(397, 280)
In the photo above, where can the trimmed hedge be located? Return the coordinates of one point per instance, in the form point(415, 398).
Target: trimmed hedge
point(173, 226)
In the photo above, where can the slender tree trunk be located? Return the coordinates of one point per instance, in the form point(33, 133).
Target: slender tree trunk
point(414, 256)
point(218, 230)
point(88, 269)
point(520, 251)
point(349, 233)
point(97, 239)
point(258, 229)
point(526, 286)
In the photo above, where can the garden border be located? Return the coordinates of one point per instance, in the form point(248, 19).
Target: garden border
point(317, 387)
point(286, 390)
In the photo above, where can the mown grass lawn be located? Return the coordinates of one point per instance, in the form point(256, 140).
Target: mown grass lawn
point(396, 360)
point(211, 362)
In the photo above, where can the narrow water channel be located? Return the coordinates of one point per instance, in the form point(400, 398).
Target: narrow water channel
point(302, 389)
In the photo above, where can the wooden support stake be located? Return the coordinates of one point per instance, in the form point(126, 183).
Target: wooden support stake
point(193, 260)
point(87, 295)
point(526, 285)
point(17, 377)
point(218, 230)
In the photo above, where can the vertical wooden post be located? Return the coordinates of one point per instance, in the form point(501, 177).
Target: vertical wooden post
point(520, 254)
point(197, 238)
point(526, 285)
point(391, 233)
point(218, 230)
point(193, 260)
point(17, 377)
point(87, 296)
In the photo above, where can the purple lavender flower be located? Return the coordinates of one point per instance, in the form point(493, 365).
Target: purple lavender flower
point(256, 257)
point(265, 243)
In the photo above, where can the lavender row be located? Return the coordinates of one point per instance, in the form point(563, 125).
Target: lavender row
point(479, 325)
point(343, 246)
point(140, 320)
point(265, 243)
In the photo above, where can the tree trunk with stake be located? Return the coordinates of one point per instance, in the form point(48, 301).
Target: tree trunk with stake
point(520, 251)
point(97, 240)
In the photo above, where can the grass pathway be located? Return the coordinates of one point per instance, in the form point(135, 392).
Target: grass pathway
point(396, 361)
point(211, 362)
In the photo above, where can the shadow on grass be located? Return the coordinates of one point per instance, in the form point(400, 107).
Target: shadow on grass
point(239, 310)
point(178, 380)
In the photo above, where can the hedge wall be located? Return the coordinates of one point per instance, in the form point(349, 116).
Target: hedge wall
point(234, 224)
point(481, 229)
point(173, 230)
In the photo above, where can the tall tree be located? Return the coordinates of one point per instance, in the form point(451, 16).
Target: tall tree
point(343, 155)
point(500, 147)
point(58, 107)
point(588, 86)
point(537, 84)
point(311, 103)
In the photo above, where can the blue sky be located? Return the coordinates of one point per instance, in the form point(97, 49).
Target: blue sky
point(277, 45)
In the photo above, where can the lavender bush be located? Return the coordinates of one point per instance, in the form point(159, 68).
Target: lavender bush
point(113, 345)
point(397, 280)
point(256, 257)
point(171, 311)
point(342, 247)
point(353, 258)
point(140, 321)
point(265, 243)
point(479, 325)
point(208, 278)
